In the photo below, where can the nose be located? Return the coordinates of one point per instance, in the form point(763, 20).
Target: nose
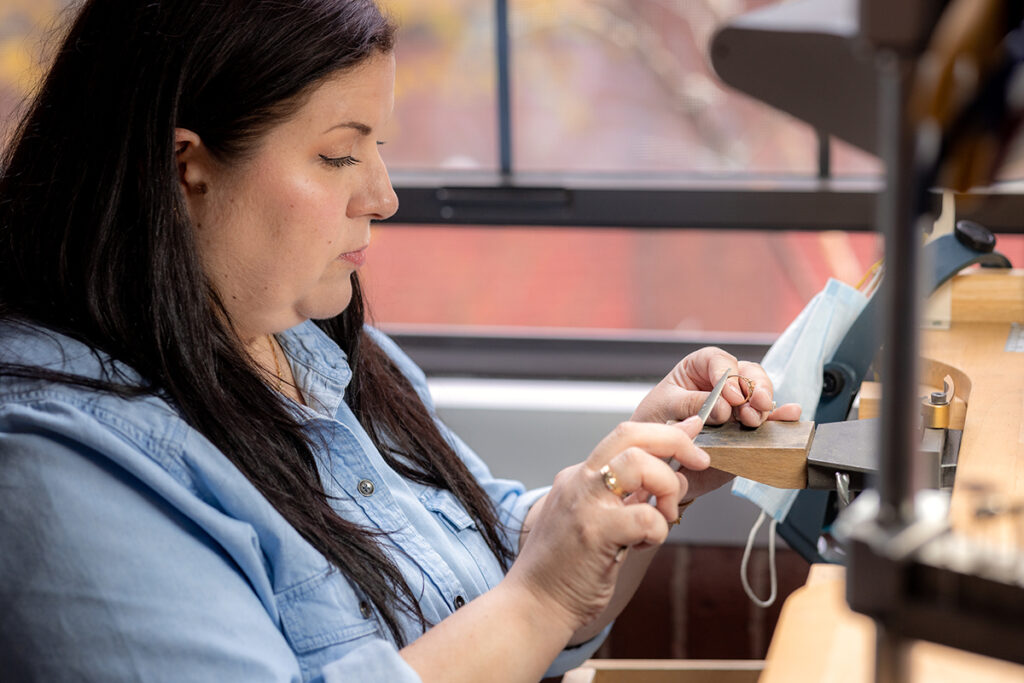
point(378, 199)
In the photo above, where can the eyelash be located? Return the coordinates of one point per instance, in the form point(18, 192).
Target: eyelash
point(339, 162)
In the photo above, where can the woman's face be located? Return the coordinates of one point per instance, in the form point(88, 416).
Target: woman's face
point(281, 231)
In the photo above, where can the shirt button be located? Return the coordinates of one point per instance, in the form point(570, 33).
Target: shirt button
point(364, 609)
point(365, 487)
point(459, 601)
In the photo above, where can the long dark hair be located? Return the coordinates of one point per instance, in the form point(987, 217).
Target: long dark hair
point(95, 243)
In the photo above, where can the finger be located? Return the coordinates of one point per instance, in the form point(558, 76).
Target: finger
point(748, 416)
point(762, 397)
point(641, 495)
point(639, 525)
point(637, 469)
point(686, 403)
point(684, 487)
point(691, 426)
point(789, 412)
point(663, 441)
point(723, 410)
point(689, 403)
point(704, 367)
point(722, 363)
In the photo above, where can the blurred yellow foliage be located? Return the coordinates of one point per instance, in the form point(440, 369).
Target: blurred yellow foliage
point(24, 25)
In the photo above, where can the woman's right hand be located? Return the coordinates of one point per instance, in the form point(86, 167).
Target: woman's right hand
point(570, 559)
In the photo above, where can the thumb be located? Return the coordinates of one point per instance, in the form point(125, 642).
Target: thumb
point(690, 403)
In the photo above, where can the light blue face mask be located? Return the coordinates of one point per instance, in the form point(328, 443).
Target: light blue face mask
point(795, 363)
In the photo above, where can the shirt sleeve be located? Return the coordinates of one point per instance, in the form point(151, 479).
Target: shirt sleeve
point(378, 661)
point(103, 580)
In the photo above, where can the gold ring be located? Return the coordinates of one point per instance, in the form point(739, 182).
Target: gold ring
point(611, 482)
point(750, 389)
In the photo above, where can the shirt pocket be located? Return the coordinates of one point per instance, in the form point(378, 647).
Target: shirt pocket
point(448, 509)
point(323, 620)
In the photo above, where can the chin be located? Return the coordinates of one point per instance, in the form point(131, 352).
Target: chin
point(326, 307)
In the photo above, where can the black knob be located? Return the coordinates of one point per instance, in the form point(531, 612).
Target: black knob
point(832, 382)
point(975, 236)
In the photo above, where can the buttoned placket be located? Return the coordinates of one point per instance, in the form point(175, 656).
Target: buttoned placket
point(356, 465)
point(353, 469)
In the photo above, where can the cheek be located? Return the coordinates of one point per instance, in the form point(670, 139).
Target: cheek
point(305, 215)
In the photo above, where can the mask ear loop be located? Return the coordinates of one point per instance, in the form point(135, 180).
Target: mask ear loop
point(771, 562)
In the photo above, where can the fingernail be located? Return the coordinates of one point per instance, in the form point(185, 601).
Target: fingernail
point(692, 425)
point(703, 457)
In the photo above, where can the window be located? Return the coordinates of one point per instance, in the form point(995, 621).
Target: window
point(639, 194)
point(615, 93)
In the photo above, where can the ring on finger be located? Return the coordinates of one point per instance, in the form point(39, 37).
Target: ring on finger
point(749, 393)
point(611, 482)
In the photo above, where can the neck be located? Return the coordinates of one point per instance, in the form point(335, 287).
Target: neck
point(270, 360)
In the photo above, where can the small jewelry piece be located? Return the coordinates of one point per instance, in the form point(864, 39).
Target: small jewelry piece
point(750, 388)
point(277, 365)
point(682, 507)
point(773, 407)
point(611, 482)
point(620, 554)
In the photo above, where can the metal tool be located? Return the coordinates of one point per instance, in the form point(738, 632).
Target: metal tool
point(709, 403)
point(705, 411)
point(712, 399)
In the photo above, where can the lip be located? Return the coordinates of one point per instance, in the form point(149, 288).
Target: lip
point(357, 257)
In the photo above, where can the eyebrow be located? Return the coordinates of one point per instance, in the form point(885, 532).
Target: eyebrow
point(360, 128)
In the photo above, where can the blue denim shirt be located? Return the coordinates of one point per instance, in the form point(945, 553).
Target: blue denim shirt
point(132, 549)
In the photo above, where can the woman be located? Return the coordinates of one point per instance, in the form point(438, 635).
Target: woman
point(211, 470)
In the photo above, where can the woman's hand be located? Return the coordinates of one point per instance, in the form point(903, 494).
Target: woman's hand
point(577, 539)
point(684, 390)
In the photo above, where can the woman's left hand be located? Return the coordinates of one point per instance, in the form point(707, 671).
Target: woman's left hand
point(683, 391)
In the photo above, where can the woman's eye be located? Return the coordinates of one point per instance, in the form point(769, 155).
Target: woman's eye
point(338, 162)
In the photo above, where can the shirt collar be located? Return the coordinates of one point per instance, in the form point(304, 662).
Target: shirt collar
point(320, 368)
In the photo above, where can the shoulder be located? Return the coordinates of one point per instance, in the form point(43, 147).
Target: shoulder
point(395, 353)
point(31, 345)
point(137, 431)
point(401, 359)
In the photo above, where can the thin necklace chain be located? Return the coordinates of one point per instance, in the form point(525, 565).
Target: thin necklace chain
point(277, 363)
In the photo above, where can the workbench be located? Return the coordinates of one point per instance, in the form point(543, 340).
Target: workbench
point(818, 639)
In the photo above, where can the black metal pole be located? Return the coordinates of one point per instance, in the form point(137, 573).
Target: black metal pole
point(504, 89)
point(901, 307)
point(824, 155)
point(900, 314)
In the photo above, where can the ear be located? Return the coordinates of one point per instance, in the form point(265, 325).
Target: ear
point(193, 161)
